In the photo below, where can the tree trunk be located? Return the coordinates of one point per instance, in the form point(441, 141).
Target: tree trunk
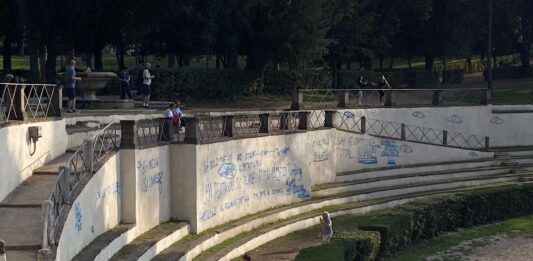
point(391, 62)
point(50, 66)
point(429, 61)
point(409, 61)
point(7, 53)
point(171, 59)
point(381, 58)
point(34, 64)
point(333, 65)
point(120, 58)
point(349, 65)
point(444, 76)
point(525, 62)
point(217, 62)
point(468, 68)
point(98, 63)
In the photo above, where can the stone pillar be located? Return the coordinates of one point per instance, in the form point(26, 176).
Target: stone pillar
point(265, 123)
point(436, 98)
point(344, 98)
point(56, 101)
point(192, 132)
point(402, 132)
point(487, 143)
point(128, 137)
point(388, 99)
point(444, 137)
point(329, 119)
point(297, 100)
point(167, 130)
point(16, 102)
point(229, 127)
point(88, 154)
point(363, 124)
point(303, 118)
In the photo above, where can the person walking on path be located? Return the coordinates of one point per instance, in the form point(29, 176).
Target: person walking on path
point(327, 227)
point(361, 83)
point(146, 86)
point(124, 78)
point(382, 83)
point(70, 86)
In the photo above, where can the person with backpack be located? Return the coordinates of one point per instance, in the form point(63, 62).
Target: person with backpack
point(124, 79)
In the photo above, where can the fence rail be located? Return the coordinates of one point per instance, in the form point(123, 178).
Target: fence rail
point(309, 98)
point(29, 101)
point(80, 164)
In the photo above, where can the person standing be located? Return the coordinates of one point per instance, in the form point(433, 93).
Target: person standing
point(361, 83)
point(70, 86)
point(2, 250)
point(124, 78)
point(327, 227)
point(146, 86)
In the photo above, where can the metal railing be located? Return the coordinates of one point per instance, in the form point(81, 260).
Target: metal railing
point(29, 101)
point(348, 121)
point(388, 97)
point(80, 164)
point(154, 131)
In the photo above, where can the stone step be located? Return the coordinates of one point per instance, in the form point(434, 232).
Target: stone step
point(91, 251)
point(52, 167)
point(21, 255)
point(145, 242)
point(420, 168)
point(192, 248)
point(31, 193)
point(410, 180)
point(21, 228)
point(235, 247)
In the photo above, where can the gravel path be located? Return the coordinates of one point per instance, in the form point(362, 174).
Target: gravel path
point(495, 248)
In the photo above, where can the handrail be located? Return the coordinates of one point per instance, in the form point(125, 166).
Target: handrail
point(80, 164)
point(28, 101)
point(397, 89)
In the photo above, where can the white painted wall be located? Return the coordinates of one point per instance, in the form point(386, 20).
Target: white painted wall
point(153, 187)
point(16, 163)
point(510, 129)
point(357, 152)
point(95, 211)
point(241, 177)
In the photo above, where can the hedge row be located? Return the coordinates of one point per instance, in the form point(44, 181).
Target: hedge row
point(509, 72)
point(401, 226)
point(346, 245)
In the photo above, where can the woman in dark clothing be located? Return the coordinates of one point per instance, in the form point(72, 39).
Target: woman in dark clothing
point(361, 83)
point(124, 78)
point(382, 83)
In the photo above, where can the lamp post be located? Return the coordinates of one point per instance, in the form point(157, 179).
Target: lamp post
point(489, 56)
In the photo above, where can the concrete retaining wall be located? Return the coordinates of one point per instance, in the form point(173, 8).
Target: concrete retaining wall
point(16, 163)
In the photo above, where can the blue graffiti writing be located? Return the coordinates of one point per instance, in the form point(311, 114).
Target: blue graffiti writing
point(276, 191)
point(390, 150)
point(211, 164)
point(283, 152)
point(320, 150)
point(113, 189)
point(228, 170)
point(497, 120)
point(155, 180)
point(455, 119)
point(207, 214)
point(418, 114)
point(77, 216)
point(473, 154)
point(366, 152)
point(92, 229)
point(218, 190)
point(249, 179)
point(345, 153)
point(249, 165)
point(294, 188)
point(235, 202)
point(350, 141)
point(320, 156)
point(146, 165)
point(406, 148)
point(349, 115)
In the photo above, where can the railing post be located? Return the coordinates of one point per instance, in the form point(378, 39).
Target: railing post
point(436, 98)
point(265, 123)
point(487, 143)
point(363, 124)
point(402, 131)
point(388, 99)
point(303, 117)
point(16, 103)
point(56, 101)
point(284, 121)
point(444, 137)
point(329, 121)
point(192, 132)
point(228, 126)
point(297, 100)
point(167, 130)
point(486, 97)
point(128, 134)
point(88, 154)
point(344, 98)
point(45, 253)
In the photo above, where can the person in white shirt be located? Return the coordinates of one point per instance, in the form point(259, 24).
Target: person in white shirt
point(171, 112)
point(146, 86)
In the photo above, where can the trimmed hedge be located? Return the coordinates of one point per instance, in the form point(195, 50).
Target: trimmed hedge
point(346, 245)
point(400, 226)
point(509, 72)
point(454, 76)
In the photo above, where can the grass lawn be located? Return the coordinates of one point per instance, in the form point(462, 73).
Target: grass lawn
point(512, 227)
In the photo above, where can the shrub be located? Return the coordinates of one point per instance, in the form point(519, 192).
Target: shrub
point(455, 76)
point(345, 245)
point(415, 78)
point(509, 72)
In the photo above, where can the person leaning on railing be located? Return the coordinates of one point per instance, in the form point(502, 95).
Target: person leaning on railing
point(382, 83)
point(171, 113)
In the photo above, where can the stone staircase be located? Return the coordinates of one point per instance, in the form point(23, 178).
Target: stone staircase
point(354, 192)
